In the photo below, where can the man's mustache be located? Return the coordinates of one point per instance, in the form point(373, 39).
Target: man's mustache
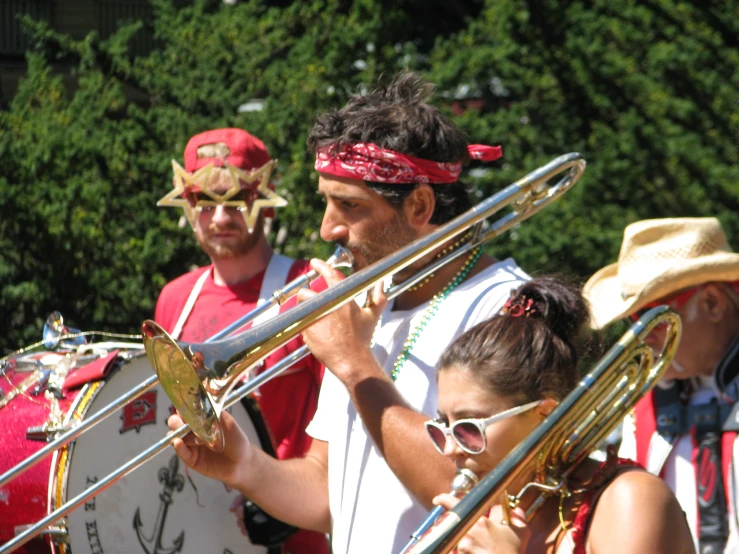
point(220, 229)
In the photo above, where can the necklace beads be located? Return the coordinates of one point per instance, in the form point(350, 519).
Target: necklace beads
point(432, 308)
point(448, 250)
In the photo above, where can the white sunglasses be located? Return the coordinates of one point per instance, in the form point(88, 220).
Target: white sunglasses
point(469, 434)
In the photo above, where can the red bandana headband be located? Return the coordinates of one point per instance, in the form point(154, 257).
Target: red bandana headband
point(369, 162)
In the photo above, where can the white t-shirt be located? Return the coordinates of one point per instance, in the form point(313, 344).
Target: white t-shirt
point(371, 510)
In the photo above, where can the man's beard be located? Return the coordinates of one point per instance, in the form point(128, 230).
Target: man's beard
point(389, 238)
point(234, 247)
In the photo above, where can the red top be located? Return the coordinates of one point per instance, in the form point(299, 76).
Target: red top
point(287, 402)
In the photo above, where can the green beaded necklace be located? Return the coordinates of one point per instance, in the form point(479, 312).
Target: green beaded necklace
point(432, 308)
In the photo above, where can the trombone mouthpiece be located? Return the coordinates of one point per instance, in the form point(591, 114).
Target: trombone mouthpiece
point(463, 482)
point(340, 258)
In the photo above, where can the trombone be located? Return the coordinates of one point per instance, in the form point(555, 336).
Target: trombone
point(221, 363)
point(340, 258)
point(197, 378)
point(569, 433)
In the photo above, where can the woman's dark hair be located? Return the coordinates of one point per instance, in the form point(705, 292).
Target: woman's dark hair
point(396, 117)
point(532, 349)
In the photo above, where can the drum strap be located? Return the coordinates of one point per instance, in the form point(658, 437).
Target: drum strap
point(275, 276)
point(194, 293)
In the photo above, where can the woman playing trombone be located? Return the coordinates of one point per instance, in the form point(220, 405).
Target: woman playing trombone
point(497, 382)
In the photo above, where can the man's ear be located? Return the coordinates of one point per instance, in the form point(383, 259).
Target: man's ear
point(419, 205)
point(714, 302)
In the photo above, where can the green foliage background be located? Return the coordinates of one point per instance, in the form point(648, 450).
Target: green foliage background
point(647, 91)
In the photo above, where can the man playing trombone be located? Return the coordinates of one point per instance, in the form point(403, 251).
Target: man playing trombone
point(221, 188)
point(388, 166)
point(684, 430)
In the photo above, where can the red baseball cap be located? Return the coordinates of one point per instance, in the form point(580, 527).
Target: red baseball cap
point(234, 146)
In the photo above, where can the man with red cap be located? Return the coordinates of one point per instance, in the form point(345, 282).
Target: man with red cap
point(225, 193)
point(684, 429)
point(388, 170)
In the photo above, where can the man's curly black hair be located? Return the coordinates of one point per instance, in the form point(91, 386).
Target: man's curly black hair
point(397, 117)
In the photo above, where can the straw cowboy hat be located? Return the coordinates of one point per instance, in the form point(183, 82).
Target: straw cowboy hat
point(659, 257)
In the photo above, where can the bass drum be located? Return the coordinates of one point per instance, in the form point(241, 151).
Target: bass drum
point(161, 507)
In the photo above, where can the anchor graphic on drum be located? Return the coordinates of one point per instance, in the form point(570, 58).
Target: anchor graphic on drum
point(173, 482)
point(105, 523)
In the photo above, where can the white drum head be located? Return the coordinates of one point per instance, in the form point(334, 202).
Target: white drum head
point(161, 507)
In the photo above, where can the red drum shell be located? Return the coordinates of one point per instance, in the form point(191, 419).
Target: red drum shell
point(23, 501)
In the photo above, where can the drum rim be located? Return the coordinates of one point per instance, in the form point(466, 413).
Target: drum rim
point(59, 471)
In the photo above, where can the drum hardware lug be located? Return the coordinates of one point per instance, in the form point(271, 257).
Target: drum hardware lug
point(60, 535)
point(21, 388)
point(42, 383)
point(28, 365)
point(45, 433)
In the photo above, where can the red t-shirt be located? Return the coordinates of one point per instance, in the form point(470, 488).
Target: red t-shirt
point(287, 402)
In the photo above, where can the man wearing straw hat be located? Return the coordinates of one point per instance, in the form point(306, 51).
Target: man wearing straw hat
point(685, 429)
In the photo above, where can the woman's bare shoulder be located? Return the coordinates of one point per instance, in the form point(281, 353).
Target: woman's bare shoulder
point(637, 512)
point(635, 484)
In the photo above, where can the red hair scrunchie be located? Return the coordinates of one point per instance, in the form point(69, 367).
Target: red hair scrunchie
point(519, 305)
